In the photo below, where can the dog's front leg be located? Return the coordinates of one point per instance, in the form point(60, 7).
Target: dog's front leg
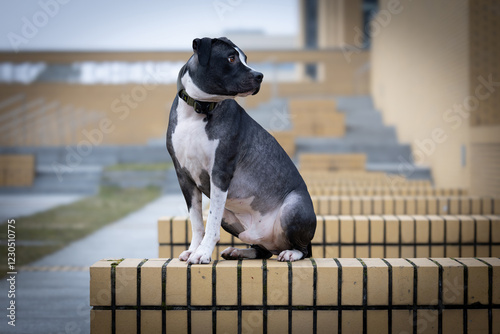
point(203, 253)
point(196, 217)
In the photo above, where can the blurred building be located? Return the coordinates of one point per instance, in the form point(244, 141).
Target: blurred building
point(259, 40)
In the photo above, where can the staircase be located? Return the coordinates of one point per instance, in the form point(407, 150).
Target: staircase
point(365, 133)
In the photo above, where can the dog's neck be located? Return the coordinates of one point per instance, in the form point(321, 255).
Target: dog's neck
point(200, 107)
point(185, 82)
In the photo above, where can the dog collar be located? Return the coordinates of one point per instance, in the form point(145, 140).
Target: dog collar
point(200, 107)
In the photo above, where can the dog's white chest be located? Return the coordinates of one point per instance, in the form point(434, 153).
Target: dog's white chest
point(193, 149)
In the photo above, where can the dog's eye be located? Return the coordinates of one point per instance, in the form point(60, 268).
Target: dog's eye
point(231, 59)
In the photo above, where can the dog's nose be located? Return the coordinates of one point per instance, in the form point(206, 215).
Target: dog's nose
point(258, 76)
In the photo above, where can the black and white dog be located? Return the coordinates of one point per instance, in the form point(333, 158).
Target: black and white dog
point(255, 191)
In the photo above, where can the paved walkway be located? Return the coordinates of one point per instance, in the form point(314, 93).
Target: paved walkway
point(15, 206)
point(52, 294)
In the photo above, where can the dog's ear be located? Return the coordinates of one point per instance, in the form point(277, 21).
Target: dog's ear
point(203, 48)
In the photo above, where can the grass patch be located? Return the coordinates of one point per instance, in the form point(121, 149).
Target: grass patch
point(139, 167)
point(46, 232)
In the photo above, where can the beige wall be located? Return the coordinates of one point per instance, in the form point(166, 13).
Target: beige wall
point(339, 23)
point(420, 70)
point(424, 77)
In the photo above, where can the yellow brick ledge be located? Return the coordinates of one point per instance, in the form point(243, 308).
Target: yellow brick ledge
point(406, 205)
point(374, 236)
point(442, 295)
point(380, 190)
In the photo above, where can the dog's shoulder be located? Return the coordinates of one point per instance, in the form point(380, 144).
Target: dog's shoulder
point(225, 121)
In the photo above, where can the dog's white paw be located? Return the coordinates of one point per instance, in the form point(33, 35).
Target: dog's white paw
point(200, 257)
point(290, 255)
point(185, 255)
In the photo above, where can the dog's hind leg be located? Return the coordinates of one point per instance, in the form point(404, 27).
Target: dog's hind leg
point(298, 221)
point(254, 252)
point(232, 225)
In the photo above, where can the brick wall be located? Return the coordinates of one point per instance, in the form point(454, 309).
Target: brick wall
point(362, 295)
point(405, 205)
point(369, 236)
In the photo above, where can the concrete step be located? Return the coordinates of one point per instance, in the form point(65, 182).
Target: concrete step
point(74, 170)
point(92, 155)
point(376, 152)
point(144, 154)
point(354, 103)
point(371, 120)
point(359, 134)
point(403, 168)
point(69, 156)
point(77, 181)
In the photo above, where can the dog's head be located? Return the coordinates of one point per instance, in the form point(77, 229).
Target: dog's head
point(218, 70)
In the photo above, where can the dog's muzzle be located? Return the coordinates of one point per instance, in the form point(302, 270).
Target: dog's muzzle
point(257, 76)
